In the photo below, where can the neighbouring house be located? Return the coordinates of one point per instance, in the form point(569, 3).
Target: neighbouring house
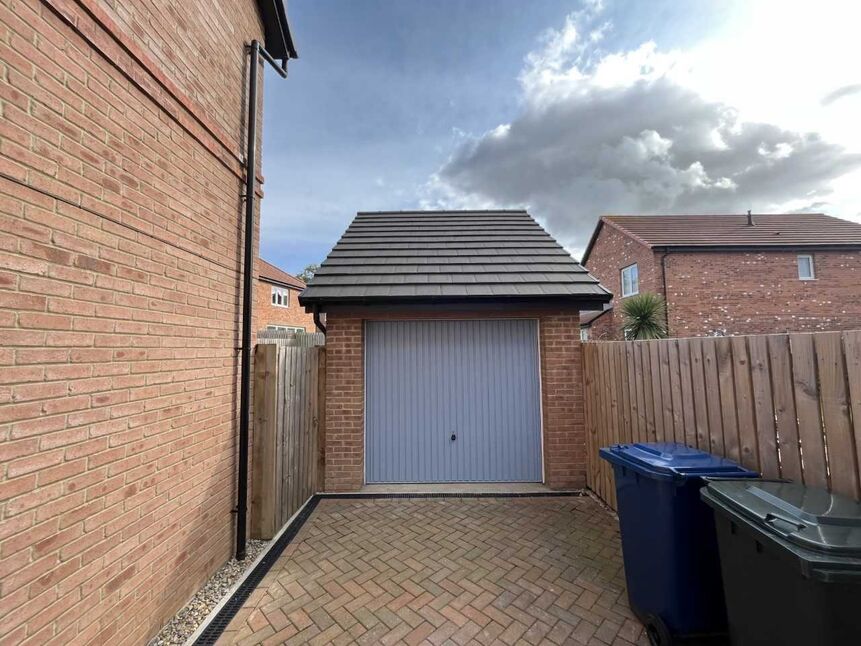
point(729, 274)
point(122, 210)
point(453, 351)
point(276, 304)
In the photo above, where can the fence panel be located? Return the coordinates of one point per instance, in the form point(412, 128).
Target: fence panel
point(788, 405)
point(292, 338)
point(288, 406)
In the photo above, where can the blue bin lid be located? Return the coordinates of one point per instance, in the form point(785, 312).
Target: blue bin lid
point(673, 461)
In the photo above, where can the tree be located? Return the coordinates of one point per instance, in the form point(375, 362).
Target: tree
point(644, 317)
point(308, 273)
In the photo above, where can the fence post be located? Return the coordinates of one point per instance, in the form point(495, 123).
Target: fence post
point(264, 472)
point(319, 484)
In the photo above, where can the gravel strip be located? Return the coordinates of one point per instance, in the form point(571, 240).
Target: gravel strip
point(186, 621)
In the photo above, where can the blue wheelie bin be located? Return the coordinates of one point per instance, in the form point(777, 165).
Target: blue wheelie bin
point(669, 545)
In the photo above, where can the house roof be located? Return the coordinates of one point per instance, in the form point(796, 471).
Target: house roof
point(276, 29)
point(587, 317)
point(714, 231)
point(410, 256)
point(271, 274)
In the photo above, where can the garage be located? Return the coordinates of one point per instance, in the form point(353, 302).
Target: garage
point(452, 401)
point(452, 351)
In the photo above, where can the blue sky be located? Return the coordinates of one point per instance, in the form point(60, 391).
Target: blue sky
point(570, 109)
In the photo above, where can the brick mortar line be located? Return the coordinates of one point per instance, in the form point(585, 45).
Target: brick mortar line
point(124, 403)
point(120, 223)
point(108, 26)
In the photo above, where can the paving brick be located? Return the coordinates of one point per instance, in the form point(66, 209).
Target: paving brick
point(360, 549)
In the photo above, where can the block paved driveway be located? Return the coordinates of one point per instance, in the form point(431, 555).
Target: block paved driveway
point(445, 571)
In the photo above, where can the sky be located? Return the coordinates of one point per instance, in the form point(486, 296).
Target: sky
point(569, 109)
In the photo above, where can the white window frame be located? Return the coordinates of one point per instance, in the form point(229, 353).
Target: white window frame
point(809, 258)
point(280, 296)
point(584, 334)
point(635, 288)
point(285, 328)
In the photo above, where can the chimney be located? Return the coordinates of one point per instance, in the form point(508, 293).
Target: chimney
point(750, 219)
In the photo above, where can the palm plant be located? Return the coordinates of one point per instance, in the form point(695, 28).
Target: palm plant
point(644, 317)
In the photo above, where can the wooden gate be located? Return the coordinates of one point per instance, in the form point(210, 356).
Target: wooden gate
point(289, 387)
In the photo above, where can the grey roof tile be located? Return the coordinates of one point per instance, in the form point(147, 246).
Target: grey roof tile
point(448, 254)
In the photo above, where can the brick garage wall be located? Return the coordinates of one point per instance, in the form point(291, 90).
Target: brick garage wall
point(120, 259)
point(561, 377)
point(345, 403)
point(265, 313)
point(611, 252)
point(760, 293)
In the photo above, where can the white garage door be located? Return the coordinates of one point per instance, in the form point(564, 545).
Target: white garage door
point(452, 401)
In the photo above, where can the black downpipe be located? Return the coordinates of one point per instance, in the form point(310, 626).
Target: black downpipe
point(317, 320)
point(666, 295)
point(248, 263)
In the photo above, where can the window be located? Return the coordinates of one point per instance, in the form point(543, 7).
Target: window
point(584, 334)
point(630, 281)
point(280, 297)
point(805, 267)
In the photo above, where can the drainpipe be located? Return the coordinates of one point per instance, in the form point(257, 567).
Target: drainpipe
point(256, 52)
point(317, 320)
point(666, 295)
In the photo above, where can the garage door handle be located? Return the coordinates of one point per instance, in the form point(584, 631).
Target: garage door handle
point(453, 437)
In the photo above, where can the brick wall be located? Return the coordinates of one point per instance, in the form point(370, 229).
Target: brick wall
point(345, 403)
point(562, 400)
point(732, 292)
point(605, 328)
point(760, 293)
point(611, 252)
point(120, 278)
point(265, 313)
point(561, 376)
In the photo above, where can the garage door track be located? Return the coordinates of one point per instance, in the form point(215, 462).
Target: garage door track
point(445, 570)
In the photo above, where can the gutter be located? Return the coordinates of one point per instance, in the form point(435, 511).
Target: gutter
point(256, 53)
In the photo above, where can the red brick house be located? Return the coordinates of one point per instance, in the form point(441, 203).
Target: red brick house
point(122, 211)
point(730, 274)
point(276, 301)
point(452, 351)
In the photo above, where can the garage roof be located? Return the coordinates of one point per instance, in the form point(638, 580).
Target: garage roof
point(410, 256)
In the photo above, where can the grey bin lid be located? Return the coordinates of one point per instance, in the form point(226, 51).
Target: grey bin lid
point(807, 517)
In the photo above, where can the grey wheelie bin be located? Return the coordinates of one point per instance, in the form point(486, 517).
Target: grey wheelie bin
point(791, 562)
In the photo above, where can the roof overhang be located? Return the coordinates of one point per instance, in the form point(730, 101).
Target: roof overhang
point(587, 318)
point(689, 248)
point(279, 283)
point(276, 28)
point(592, 301)
point(592, 240)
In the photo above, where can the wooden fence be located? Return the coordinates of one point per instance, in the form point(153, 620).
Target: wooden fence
point(787, 405)
point(291, 337)
point(289, 405)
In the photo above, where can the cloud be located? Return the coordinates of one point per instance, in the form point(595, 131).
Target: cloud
point(624, 132)
point(840, 93)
